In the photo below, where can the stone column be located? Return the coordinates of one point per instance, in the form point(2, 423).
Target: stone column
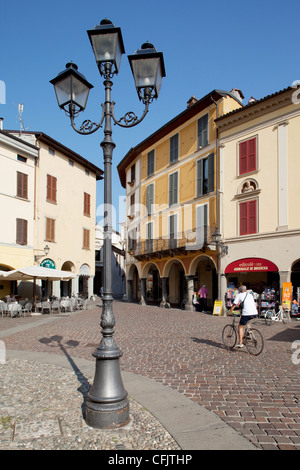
point(164, 303)
point(143, 292)
point(129, 290)
point(190, 291)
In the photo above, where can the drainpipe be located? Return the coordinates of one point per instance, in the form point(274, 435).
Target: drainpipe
point(217, 205)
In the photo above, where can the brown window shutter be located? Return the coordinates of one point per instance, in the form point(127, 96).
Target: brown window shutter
point(50, 230)
point(22, 229)
point(86, 239)
point(51, 188)
point(22, 185)
point(87, 204)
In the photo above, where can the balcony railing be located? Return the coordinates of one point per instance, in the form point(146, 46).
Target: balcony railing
point(191, 240)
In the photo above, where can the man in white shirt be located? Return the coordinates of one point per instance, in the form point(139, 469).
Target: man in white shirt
point(249, 311)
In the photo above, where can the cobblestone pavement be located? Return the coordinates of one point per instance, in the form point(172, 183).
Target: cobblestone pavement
point(257, 396)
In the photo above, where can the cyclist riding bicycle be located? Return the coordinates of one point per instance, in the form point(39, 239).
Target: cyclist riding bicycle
point(248, 312)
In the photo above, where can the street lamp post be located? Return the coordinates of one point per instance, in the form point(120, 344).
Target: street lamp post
point(107, 404)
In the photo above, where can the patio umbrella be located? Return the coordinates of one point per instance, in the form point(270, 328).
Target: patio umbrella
point(36, 272)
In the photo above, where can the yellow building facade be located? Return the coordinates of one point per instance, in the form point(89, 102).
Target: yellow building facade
point(260, 219)
point(172, 206)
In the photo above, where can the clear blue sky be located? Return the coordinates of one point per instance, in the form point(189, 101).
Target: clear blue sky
point(253, 46)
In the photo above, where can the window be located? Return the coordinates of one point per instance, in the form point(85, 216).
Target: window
point(205, 175)
point(86, 239)
point(87, 204)
point(247, 156)
point(21, 158)
point(22, 185)
point(87, 173)
point(132, 204)
point(173, 189)
point(201, 224)
point(149, 237)
point(132, 173)
point(248, 217)
point(71, 163)
point(203, 131)
point(150, 163)
point(174, 150)
point(50, 230)
point(51, 188)
point(21, 232)
point(149, 198)
point(51, 151)
point(173, 231)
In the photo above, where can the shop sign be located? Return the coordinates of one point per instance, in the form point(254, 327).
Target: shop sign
point(48, 263)
point(251, 265)
point(287, 294)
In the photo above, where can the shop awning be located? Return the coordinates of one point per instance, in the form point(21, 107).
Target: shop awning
point(251, 265)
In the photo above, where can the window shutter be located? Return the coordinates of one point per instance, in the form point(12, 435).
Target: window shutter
point(247, 156)
point(86, 239)
point(150, 163)
point(173, 189)
point(51, 188)
point(211, 173)
point(243, 157)
point(50, 229)
point(22, 185)
point(243, 218)
point(149, 198)
point(199, 178)
point(174, 148)
point(87, 204)
point(252, 217)
point(203, 131)
point(248, 217)
point(21, 235)
point(252, 154)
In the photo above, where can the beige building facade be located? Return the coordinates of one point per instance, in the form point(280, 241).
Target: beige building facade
point(62, 200)
point(260, 191)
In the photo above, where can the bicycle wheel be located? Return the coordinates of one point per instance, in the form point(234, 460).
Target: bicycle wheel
point(270, 317)
point(254, 342)
point(284, 316)
point(229, 336)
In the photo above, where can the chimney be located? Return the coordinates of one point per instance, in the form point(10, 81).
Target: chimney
point(237, 94)
point(1, 124)
point(191, 101)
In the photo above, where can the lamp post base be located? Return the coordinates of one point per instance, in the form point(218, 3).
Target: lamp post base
point(107, 416)
point(107, 405)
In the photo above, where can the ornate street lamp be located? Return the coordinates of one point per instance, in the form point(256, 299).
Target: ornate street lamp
point(107, 403)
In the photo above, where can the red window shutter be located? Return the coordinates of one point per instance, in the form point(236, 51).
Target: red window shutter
point(243, 218)
point(251, 217)
point(247, 156)
point(251, 154)
point(243, 158)
point(248, 217)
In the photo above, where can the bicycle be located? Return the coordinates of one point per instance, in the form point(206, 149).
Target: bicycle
point(253, 339)
point(272, 316)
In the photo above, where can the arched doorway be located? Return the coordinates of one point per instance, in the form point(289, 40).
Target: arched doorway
point(133, 285)
point(295, 280)
point(176, 285)
point(153, 286)
point(66, 286)
point(206, 275)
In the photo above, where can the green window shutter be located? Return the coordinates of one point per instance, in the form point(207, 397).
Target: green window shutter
point(211, 173)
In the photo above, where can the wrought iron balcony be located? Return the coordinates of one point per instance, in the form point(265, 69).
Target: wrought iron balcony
point(191, 240)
